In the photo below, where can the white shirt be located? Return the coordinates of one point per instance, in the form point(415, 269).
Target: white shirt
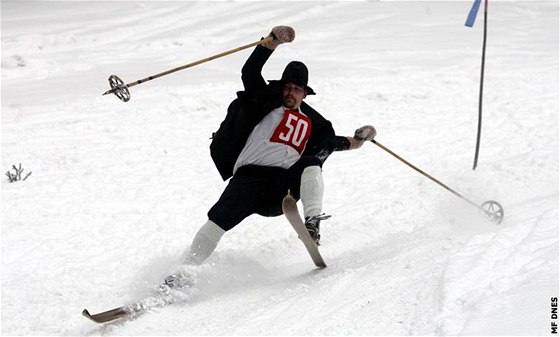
point(278, 140)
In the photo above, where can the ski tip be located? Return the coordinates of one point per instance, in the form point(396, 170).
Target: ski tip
point(289, 197)
point(107, 316)
point(86, 313)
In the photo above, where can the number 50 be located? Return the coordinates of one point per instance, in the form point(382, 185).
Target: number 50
point(297, 128)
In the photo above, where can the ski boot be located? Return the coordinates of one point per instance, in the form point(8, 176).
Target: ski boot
point(312, 225)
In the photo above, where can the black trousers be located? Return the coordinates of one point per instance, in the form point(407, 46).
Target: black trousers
point(258, 190)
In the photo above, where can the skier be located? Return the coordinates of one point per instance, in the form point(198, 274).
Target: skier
point(270, 142)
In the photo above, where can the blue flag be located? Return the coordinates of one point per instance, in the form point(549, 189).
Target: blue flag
point(472, 14)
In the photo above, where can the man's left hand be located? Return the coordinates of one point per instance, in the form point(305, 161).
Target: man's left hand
point(365, 133)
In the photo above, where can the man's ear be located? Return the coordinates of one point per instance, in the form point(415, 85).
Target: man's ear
point(304, 93)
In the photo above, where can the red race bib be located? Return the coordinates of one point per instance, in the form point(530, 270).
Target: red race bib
point(294, 130)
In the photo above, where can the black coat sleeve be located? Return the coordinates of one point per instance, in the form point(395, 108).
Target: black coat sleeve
point(259, 98)
point(340, 143)
point(251, 73)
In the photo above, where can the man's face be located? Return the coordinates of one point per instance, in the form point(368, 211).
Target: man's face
point(293, 95)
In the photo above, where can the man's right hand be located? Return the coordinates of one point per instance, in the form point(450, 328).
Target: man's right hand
point(280, 34)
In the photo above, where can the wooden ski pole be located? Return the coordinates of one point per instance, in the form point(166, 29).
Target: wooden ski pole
point(121, 90)
point(423, 173)
point(492, 209)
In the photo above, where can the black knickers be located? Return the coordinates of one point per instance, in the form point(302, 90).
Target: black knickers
point(258, 189)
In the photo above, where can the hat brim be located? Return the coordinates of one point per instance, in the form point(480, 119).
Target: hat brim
point(310, 90)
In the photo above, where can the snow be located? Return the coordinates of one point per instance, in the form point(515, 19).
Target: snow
point(118, 190)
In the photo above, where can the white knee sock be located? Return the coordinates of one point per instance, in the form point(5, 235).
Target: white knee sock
point(311, 190)
point(204, 243)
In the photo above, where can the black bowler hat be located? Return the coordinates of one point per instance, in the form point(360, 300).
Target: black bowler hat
point(296, 72)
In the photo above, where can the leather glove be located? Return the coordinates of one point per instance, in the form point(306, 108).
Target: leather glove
point(365, 133)
point(280, 34)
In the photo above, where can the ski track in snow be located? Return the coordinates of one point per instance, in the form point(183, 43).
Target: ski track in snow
point(118, 190)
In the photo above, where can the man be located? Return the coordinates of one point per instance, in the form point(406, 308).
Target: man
point(270, 142)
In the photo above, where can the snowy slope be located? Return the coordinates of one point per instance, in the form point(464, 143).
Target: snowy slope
point(119, 189)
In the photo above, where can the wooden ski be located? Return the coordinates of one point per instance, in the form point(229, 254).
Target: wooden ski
point(289, 206)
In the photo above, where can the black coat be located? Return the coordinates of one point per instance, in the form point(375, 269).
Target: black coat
point(252, 105)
